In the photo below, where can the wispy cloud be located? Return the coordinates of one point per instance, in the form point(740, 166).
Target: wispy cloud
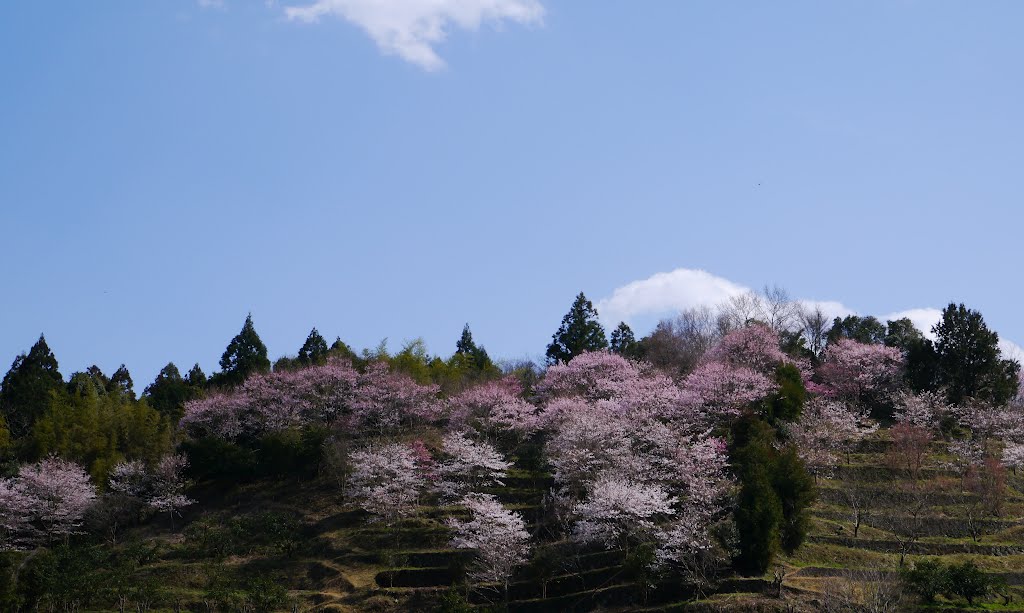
point(667, 293)
point(211, 4)
point(411, 29)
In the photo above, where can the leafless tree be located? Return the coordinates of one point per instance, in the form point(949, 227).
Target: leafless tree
point(677, 344)
point(907, 516)
point(814, 326)
point(871, 591)
point(861, 498)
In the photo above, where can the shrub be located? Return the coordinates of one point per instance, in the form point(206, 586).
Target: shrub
point(968, 581)
point(927, 579)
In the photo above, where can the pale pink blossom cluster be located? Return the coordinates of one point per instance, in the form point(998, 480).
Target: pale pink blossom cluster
point(161, 489)
point(498, 536)
point(376, 400)
point(43, 501)
point(468, 466)
point(627, 467)
point(387, 480)
point(493, 407)
point(856, 370)
point(827, 429)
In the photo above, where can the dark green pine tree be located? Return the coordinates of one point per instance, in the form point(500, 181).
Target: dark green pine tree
point(467, 347)
point(121, 383)
point(314, 350)
point(465, 344)
point(776, 492)
point(623, 342)
point(969, 363)
point(580, 332)
point(196, 378)
point(169, 392)
point(26, 388)
point(245, 355)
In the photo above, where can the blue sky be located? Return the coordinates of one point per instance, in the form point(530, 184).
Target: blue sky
point(378, 169)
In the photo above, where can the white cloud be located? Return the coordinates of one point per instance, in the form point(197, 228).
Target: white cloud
point(667, 293)
point(412, 28)
point(923, 319)
point(211, 4)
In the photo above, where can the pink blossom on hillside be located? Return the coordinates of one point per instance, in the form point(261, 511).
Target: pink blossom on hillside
point(130, 479)
point(161, 489)
point(495, 406)
point(1013, 455)
point(469, 465)
point(386, 481)
point(590, 442)
point(168, 489)
point(498, 536)
point(617, 508)
point(826, 429)
point(383, 400)
point(600, 375)
point(273, 401)
point(722, 389)
point(923, 410)
point(853, 370)
point(17, 508)
point(754, 346)
point(595, 375)
point(219, 414)
point(60, 492)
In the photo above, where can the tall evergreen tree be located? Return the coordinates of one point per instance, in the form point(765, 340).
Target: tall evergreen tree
point(623, 341)
point(245, 355)
point(196, 378)
point(121, 383)
point(169, 392)
point(314, 350)
point(468, 348)
point(25, 391)
point(465, 343)
point(776, 492)
point(969, 363)
point(902, 334)
point(580, 332)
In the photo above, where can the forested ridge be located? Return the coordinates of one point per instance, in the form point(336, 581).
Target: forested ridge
point(756, 456)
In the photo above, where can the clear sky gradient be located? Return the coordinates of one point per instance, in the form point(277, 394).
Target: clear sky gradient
point(167, 167)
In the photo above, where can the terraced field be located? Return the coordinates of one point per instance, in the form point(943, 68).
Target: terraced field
point(332, 558)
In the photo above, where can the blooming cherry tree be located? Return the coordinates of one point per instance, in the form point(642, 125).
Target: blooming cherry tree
point(826, 429)
point(469, 465)
point(619, 508)
point(498, 535)
point(860, 371)
point(58, 494)
point(386, 481)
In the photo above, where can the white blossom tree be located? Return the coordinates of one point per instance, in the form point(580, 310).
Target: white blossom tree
point(498, 536)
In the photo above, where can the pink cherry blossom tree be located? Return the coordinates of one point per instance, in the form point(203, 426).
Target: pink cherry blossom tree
point(468, 465)
point(384, 400)
point(17, 508)
point(924, 410)
point(863, 372)
point(619, 509)
point(498, 536)
point(168, 486)
point(59, 494)
point(494, 408)
point(827, 429)
point(719, 390)
point(386, 481)
point(754, 346)
point(161, 489)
